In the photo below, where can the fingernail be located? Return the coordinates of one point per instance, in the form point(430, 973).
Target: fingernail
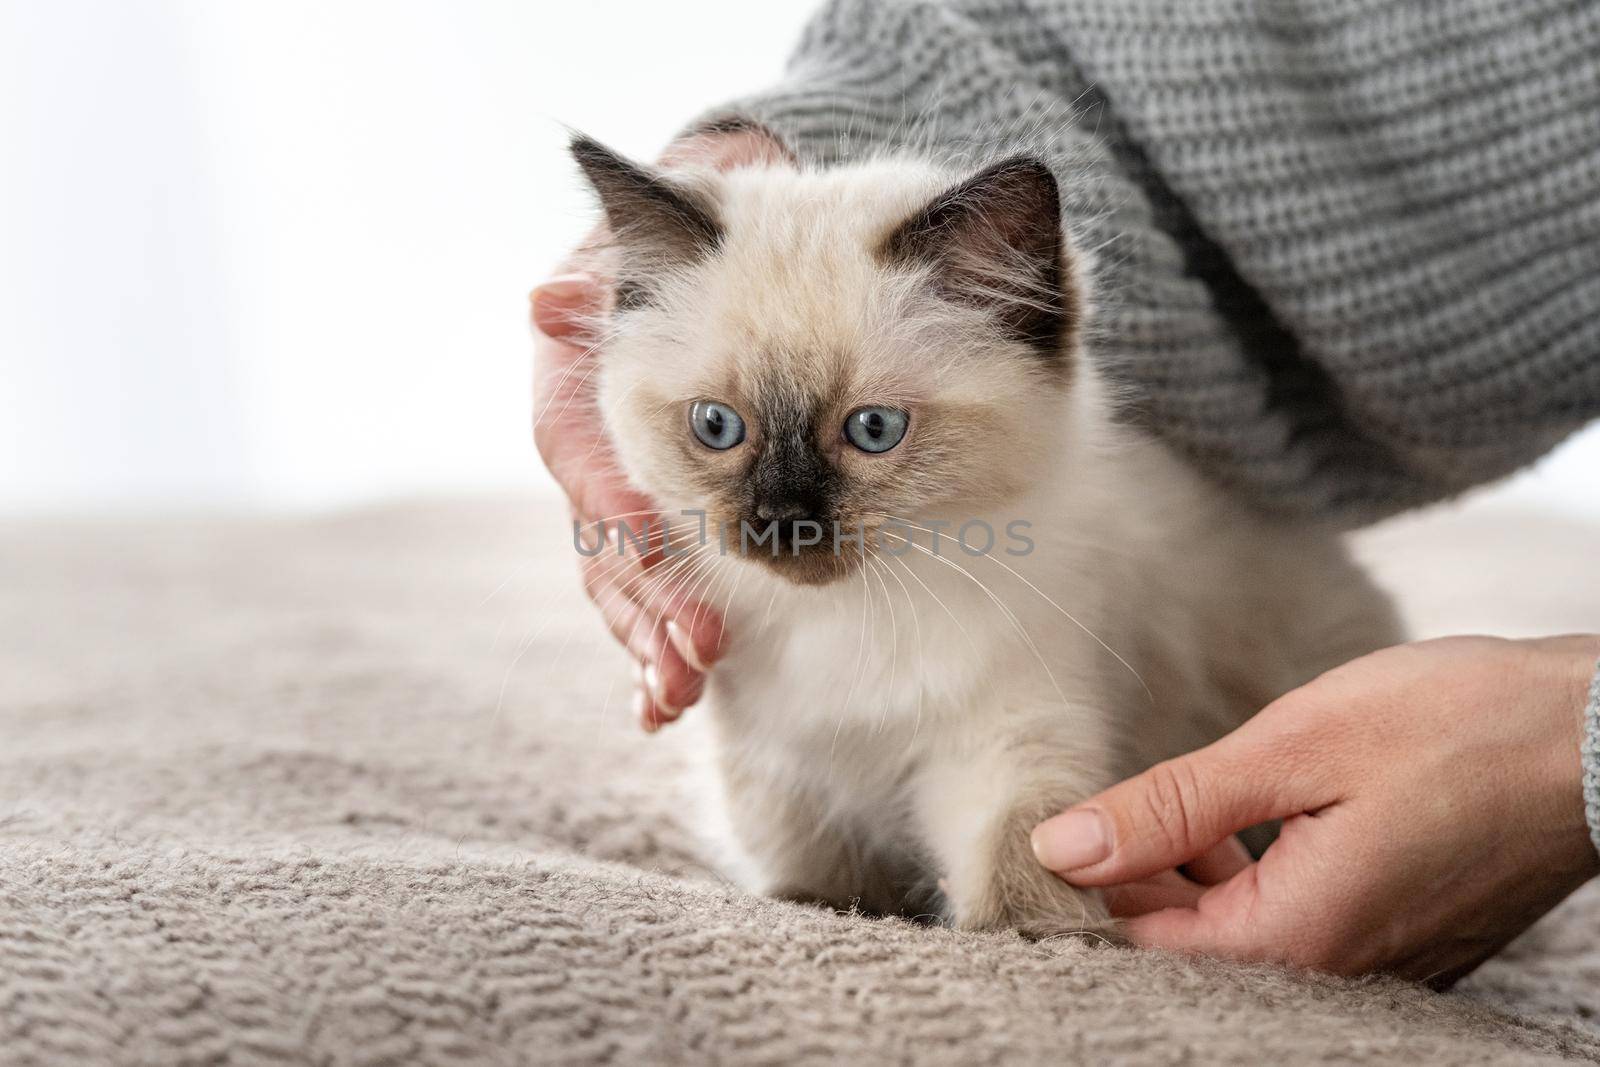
point(564, 290)
point(652, 682)
point(1071, 840)
point(685, 645)
point(641, 704)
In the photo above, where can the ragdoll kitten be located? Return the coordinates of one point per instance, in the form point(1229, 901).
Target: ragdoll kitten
point(897, 347)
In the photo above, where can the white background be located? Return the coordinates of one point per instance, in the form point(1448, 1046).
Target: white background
point(276, 254)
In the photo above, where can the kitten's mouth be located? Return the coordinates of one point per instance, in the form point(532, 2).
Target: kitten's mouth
point(811, 565)
point(801, 557)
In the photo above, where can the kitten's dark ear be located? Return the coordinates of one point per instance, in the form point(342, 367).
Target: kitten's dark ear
point(994, 242)
point(657, 221)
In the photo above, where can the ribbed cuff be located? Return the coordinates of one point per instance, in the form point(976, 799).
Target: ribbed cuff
point(1591, 760)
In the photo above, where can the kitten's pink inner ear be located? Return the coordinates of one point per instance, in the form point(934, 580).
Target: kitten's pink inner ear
point(730, 145)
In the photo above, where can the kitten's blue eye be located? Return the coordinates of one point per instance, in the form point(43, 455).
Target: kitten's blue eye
point(717, 425)
point(875, 429)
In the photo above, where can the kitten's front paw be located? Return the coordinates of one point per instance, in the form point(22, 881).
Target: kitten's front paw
point(1002, 887)
point(1026, 898)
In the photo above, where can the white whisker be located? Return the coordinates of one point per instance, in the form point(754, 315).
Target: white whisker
point(1069, 616)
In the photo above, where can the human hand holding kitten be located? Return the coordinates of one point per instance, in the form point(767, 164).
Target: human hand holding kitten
point(1432, 811)
point(674, 637)
point(658, 625)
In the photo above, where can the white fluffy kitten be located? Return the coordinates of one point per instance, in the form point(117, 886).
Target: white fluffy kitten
point(893, 341)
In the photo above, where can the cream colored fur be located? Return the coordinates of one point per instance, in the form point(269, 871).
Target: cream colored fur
point(888, 739)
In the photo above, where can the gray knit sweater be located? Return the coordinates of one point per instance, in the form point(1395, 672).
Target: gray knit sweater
point(1347, 253)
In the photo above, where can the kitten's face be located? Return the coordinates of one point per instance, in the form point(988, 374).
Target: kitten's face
point(843, 348)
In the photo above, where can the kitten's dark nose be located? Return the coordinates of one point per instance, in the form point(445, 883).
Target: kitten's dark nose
point(792, 483)
point(788, 513)
point(784, 511)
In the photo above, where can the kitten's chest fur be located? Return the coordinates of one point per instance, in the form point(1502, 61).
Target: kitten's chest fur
point(843, 695)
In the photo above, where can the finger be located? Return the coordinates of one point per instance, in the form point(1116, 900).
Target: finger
point(633, 627)
point(567, 429)
point(1166, 890)
point(673, 685)
point(694, 641)
point(614, 580)
point(1173, 812)
point(645, 711)
point(1224, 860)
point(669, 589)
point(1225, 921)
point(694, 629)
point(571, 440)
point(1300, 904)
point(562, 307)
point(615, 585)
point(571, 435)
point(667, 683)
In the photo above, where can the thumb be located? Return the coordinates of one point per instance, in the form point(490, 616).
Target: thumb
point(1172, 813)
point(561, 306)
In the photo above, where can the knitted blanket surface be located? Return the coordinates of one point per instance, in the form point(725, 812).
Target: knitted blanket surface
point(361, 788)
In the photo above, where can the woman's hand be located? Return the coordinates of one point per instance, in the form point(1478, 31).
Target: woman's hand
point(674, 637)
point(1432, 803)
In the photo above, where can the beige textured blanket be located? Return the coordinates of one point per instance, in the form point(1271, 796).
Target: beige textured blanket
point(362, 789)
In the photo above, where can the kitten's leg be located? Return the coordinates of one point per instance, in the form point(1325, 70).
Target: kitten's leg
point(790, 848)
point(977, 812)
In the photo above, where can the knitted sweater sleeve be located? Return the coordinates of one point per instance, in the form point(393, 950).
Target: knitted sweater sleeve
point(1346, 255)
